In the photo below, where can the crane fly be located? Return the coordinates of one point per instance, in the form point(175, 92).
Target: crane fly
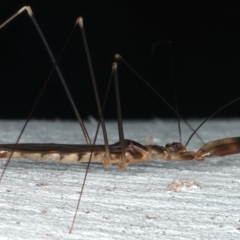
point(122, 153)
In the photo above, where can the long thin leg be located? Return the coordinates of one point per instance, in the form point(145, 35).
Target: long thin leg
point(123, 163)
point(80, 23)
point(119, 57)
point(30, 13)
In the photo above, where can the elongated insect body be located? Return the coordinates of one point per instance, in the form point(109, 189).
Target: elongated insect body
point(134, 151)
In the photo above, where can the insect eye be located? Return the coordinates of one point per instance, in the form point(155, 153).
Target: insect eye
point(175, 147)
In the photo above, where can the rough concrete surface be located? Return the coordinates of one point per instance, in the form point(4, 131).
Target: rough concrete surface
point(153, 200)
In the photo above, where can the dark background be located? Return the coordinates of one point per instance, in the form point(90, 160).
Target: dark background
point(195, 43)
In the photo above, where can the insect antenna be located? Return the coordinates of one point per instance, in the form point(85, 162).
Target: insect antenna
point(210, 116)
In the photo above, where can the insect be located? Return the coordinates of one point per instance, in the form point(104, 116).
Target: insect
point(134, 152)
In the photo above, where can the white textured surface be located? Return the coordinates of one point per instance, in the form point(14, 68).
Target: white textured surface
point(38, 200)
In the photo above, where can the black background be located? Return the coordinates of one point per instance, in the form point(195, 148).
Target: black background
point(196, 43)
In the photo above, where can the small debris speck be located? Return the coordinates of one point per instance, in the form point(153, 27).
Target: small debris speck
point(179, 185)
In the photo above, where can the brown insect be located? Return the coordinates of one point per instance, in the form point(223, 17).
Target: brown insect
point(123, 153)
point(134, 152)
